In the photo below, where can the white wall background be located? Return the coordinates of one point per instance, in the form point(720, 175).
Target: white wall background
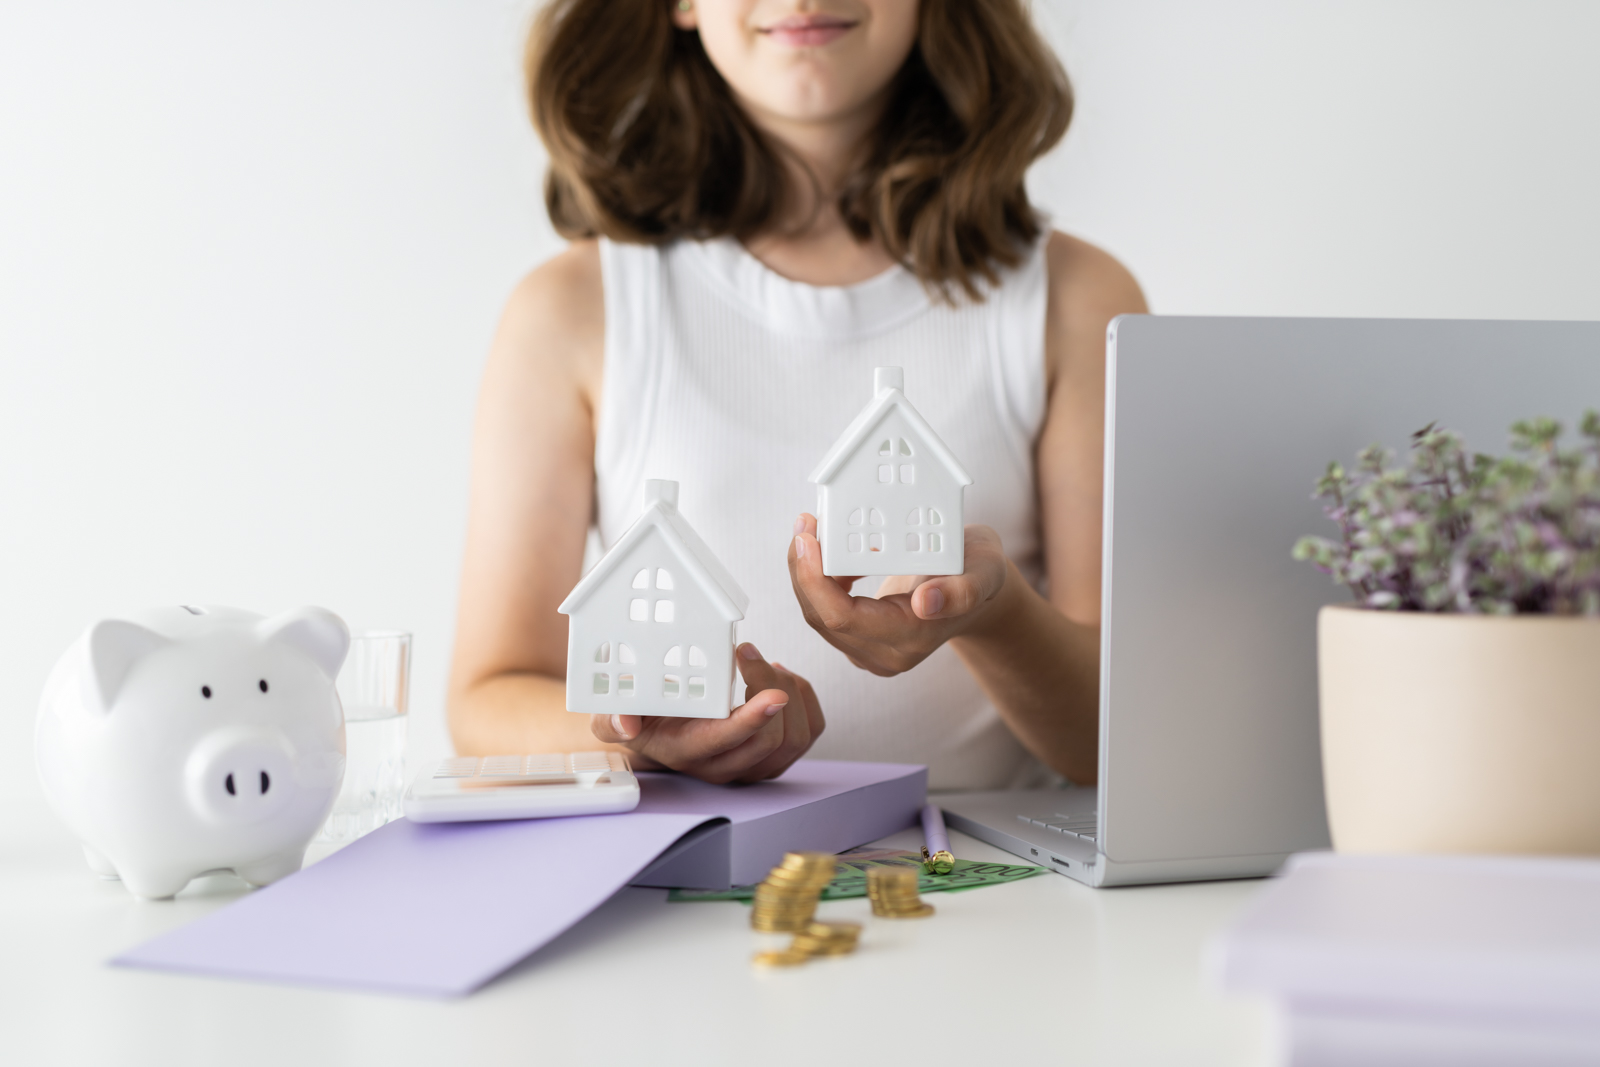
point(251, 257)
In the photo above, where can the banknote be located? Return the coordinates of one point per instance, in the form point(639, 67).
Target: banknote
point(850, 876)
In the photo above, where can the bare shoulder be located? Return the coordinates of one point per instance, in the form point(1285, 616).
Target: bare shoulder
point(555, 317)
point(1086, 279)
point(1088, 288)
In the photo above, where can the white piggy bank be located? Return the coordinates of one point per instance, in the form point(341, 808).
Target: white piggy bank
point(183, 740)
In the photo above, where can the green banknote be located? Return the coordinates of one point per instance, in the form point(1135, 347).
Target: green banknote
point(850, 876)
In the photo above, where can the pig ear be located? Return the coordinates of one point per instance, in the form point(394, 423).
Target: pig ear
point(316, 632)
point(115, 645)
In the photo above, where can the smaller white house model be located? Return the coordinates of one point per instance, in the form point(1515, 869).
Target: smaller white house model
point(889, 492)
point(651, 627)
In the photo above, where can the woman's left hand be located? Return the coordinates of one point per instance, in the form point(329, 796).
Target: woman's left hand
point(910, 616)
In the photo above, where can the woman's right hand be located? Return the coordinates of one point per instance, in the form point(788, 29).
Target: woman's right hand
point(776, 725)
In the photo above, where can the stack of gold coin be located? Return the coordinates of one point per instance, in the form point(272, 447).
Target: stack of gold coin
point(893, 892)
point(787, 900)
point(828, 939)
point(817, 939)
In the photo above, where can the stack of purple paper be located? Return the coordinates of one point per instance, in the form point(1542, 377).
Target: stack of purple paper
point(476, 898)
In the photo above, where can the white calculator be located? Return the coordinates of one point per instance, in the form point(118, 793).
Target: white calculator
point(469, 789)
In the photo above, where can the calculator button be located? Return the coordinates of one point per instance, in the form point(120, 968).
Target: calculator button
point(501, 767)
point(459, 767)
point(548, 764)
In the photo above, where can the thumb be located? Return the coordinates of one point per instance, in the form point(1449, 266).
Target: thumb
point(956, 595)
point(614, 729)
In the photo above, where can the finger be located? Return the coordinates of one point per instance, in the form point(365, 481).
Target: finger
point(807, 524)
point(803, 724)
point(693, 746)
point(792, 737)
point(798, 731)
point(763, 730)
point(615, 729)
point(825, 602)
point(899, 583)
point(814, 715)
point(956, 595)
point(757, 673)
point(743, 763)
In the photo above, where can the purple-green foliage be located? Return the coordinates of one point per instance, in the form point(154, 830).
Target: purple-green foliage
point(1454, 532)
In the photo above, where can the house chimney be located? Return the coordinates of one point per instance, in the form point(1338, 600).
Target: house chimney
point(884, 378)
point(658, 489)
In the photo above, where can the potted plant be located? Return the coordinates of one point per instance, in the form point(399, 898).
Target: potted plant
point(1460, 693)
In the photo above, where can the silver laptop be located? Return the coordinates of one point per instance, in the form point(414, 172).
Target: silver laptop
point(1216, 431)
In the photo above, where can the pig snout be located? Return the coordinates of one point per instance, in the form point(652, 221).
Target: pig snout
point(239, 775)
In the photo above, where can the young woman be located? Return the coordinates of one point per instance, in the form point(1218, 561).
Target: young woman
point(766, 199)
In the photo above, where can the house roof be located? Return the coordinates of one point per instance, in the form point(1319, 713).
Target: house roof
point(660, 518)
point(887, 396)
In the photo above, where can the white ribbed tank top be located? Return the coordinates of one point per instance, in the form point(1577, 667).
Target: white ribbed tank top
point(733, 381)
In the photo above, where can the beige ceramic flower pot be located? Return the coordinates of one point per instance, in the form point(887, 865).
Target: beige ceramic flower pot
point(1460, 733)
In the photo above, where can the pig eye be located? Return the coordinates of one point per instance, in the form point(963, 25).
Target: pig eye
point(263, 684)
point(205, 691)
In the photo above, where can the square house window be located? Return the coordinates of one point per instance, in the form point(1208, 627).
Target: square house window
point(639, 610)
point(664, 611)
point(602, 684)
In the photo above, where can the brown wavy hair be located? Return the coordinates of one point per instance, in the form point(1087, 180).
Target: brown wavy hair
point(647, 144)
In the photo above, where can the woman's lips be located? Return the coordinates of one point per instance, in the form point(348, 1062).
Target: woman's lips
point(808, 31)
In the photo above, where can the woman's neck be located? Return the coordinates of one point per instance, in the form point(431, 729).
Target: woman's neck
point(824, 253)
point(810, 242)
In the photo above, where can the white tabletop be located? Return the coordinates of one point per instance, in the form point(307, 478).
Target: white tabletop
point(1044, 967)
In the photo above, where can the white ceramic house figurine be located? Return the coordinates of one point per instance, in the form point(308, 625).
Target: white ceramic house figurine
point(181, 740)
point(889, 492)
point(651, 627)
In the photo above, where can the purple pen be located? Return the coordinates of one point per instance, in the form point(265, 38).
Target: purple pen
point(936, 855)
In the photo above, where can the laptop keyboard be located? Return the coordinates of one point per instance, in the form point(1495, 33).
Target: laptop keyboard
point(1084, 825)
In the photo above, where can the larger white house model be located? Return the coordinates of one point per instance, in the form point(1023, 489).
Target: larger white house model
point(651, 627)
point(889, 492)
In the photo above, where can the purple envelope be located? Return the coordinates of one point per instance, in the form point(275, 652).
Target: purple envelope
point(473, 899)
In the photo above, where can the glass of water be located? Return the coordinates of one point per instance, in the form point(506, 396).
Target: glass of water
point(374, 687)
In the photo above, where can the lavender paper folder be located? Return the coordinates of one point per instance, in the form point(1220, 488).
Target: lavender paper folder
point(440, 909)
point(819, 805)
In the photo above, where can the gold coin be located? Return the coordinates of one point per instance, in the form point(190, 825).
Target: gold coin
point(780, 958)
point(834, 929)
point(917, 912)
